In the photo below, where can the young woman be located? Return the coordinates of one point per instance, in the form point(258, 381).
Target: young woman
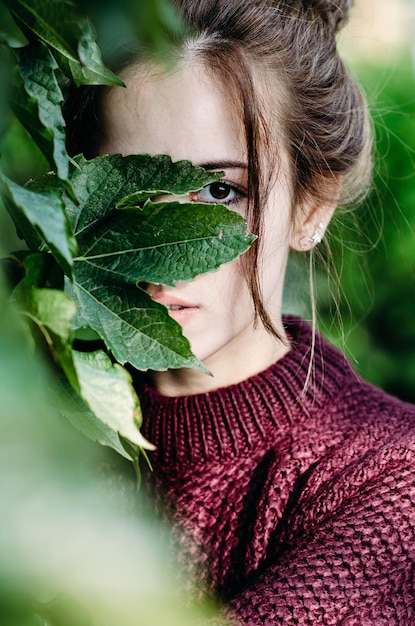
point(292, 481)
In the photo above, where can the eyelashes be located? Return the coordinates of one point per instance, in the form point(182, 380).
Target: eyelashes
point(221, 192)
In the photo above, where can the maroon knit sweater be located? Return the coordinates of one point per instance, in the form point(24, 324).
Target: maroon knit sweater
point(294, 508)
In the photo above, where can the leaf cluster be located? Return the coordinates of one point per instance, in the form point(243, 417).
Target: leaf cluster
point(96, 231)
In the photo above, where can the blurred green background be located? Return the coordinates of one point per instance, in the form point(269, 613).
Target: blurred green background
point(374, 322)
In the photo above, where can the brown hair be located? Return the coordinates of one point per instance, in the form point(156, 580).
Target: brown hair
point(319, 114)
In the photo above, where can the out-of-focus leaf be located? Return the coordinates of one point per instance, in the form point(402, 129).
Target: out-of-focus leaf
point(41, 217)
point(10, 33)
point(40, 269)
point(53, 313)
point(37, 100)
point(62, 25)
point(126, 27)
point(156, 23)
point(72, 535)
point(6, 70)
point(108, 390)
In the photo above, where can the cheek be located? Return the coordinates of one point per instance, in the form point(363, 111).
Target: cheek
point(235, 295)
point(225, 288)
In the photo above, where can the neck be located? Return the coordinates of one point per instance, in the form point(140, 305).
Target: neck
point(247, 355)
point(240, 418)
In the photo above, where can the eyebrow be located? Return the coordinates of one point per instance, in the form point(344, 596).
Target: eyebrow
point(225, 165)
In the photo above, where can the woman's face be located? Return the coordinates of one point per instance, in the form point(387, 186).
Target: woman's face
point(188, 115)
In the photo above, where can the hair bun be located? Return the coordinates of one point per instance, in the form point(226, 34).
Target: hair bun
point(334, 12)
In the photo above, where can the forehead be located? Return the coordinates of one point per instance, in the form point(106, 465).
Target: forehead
point(186, 113)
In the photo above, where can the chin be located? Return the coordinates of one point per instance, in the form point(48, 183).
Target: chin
point(204, 353)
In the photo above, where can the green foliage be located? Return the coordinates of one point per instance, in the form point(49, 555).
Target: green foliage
point(40, 218)
point(65, 29)
point(117, 248)
point(81, 241)
point(37, 97)
point(136, 25)
point(94, 232)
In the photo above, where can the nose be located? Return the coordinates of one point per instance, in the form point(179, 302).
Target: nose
point(152, 288)
point(171, 198)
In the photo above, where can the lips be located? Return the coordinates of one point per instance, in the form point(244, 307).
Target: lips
point(178, 309)
point(171, 302)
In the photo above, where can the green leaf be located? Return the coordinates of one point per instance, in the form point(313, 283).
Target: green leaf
point(75, 409)
point(40, 270)
point(108, 391)
point(95, 73)
point(134, 328)
point(157, 23)
point(10, 33)
point(102, 182)
point(163, 242)
point(57, 22)
point(36, 101)
point(53, 312)
point(41, 217)
point(61, 25)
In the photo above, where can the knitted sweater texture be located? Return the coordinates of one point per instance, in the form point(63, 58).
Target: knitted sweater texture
point(294, 508)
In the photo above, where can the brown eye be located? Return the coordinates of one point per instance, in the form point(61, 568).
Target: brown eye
point(220, 192)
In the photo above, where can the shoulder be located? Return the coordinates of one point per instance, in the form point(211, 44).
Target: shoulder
point(348, 440)
point(338, 512)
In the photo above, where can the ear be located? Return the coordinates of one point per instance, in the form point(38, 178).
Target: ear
point(312, 219)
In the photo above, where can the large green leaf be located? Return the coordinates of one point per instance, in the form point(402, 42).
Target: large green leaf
point(135, 329)
point(40, 217)
point(109, 391)
point(163, 242)
point(36, 101)
point(61, 25)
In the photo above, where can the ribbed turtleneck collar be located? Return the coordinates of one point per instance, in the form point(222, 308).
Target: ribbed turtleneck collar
point(237, 419)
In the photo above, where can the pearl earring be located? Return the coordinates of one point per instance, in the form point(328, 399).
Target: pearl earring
point(309, 242)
